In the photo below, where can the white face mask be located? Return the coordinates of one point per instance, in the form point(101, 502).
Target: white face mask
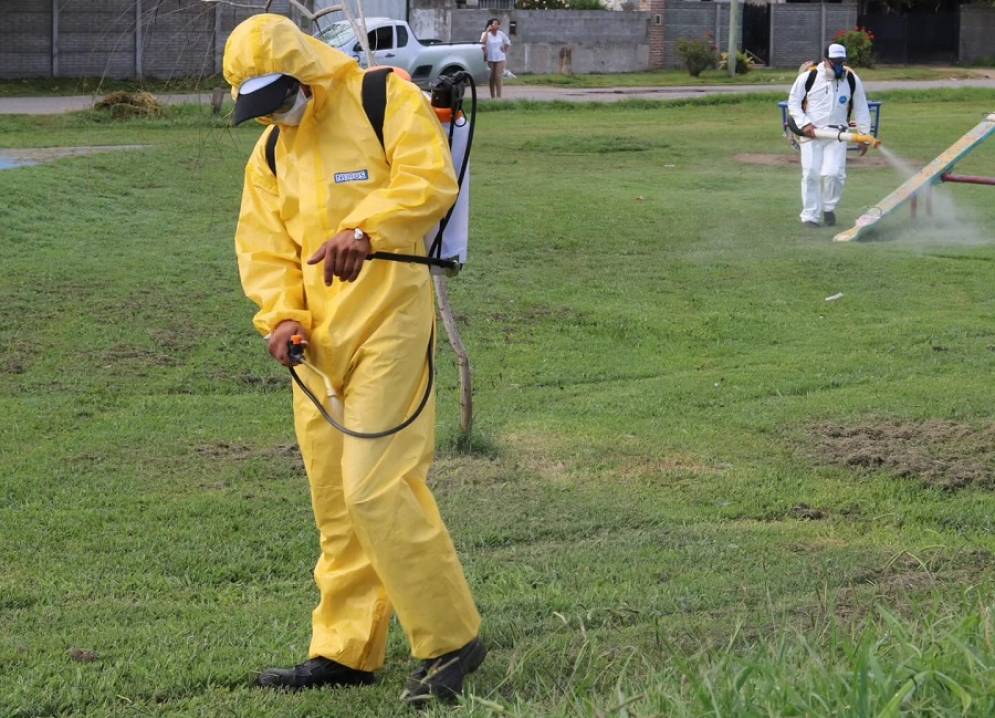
point(292, 117)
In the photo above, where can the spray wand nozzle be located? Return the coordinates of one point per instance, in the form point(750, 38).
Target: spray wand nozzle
point(296, 349)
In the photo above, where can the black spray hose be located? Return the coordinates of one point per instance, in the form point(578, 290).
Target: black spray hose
point(374, 434)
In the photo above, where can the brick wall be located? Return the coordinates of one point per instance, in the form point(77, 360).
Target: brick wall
point(657, 10)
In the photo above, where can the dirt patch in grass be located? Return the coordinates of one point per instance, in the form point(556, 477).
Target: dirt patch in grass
point(905, 580)
point(945, 454)
point(10, 365)
point(791, 160)
point(683, 464)
point(36, 155)
point(81, 655)
point(454, 471)
point(537, 314)
point(591, 145)
point(804, 512)
point(239, 452)
point(135, 359)
point(908, 572)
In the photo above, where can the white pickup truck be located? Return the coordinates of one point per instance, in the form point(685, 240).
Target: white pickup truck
point(393, 43)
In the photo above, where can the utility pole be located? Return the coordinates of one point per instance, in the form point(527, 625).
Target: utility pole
point(733, 25)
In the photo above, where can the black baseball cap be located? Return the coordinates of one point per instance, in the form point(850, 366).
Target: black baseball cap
point(262, 95)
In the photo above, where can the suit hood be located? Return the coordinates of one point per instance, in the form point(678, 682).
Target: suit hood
point(268, 43)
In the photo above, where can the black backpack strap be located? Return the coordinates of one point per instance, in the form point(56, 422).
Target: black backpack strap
point(374, 105)
point(811, 78)
point(851, 80)
point(271, 139)
point(808, 85)
point(375, 98)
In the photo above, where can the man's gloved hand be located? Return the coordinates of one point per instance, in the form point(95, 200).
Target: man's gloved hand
point(343, 255)
point(280, 338)
point(809, 130)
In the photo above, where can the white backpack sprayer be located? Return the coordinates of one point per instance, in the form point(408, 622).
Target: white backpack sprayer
point(445, 244)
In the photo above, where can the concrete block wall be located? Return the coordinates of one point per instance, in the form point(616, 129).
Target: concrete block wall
point(693, 20)
point(433, 23)
point(170, 38)
point(116, 38)
point(26, 38)
point(550, 41)
point(977, 30)
point(178, 43)
point(801, 31)
point(96, 38)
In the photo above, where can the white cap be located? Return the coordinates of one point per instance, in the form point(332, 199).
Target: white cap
point(836, 52)
point(258, 83)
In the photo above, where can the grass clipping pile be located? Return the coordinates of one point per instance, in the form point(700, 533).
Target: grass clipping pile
point(124, 105)
point(944, 454)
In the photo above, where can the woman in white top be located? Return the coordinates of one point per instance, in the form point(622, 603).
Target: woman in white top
point(495, 43)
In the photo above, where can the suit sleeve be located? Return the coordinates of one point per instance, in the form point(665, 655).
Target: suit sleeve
point(269, 261)
point(795, 98)
point(861, 112)
point(422, 184)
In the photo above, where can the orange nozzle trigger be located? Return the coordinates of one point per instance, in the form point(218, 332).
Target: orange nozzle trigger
point(296, 340)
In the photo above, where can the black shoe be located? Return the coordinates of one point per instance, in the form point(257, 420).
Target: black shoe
point(442, 678)
point(813, 225)
point(829, 218)
point(313, 674)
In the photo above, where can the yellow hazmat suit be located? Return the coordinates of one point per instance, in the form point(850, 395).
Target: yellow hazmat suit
point(384, 547)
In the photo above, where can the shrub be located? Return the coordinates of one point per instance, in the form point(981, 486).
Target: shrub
point(859, 44)
point(698, 54)
point(744, 62)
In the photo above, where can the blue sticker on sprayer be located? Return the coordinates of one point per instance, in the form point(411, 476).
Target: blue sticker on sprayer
point(843, 99)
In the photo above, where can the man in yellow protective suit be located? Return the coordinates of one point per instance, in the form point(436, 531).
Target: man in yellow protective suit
point(304, 233)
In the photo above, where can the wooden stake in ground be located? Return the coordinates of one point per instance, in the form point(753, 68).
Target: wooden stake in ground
point(462, 358)
point(217, 100)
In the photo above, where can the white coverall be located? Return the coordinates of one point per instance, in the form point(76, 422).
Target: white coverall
point(824, 161)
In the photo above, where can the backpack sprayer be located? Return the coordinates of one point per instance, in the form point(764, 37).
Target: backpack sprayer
point(446, 244)
point(446, 249)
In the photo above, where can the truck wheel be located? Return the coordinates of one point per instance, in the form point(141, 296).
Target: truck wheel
point(452, 70)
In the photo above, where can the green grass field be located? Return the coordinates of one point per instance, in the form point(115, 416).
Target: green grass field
point(697, 488)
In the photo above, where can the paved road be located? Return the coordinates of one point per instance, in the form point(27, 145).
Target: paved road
point(56, 105)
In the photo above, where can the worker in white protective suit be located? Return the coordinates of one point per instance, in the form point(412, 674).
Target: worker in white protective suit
point(316, 203)
point(826, 95)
